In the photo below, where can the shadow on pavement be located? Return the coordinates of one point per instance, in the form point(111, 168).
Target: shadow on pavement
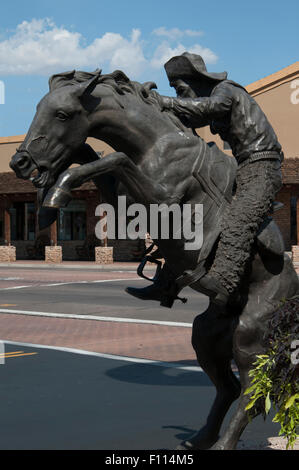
point(158, 375)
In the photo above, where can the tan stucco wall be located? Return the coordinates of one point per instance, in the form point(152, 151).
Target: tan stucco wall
point(283, 116)
point(206, 135)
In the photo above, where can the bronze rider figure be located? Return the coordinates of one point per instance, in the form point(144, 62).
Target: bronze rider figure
point(210, 99)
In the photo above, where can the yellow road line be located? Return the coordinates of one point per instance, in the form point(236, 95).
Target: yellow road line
point(19, 355)
point(8, 305)
point(12, 352)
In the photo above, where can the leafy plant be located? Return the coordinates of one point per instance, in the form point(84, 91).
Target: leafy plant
point(275, 375)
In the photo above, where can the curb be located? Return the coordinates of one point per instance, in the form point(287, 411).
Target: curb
point(91, 266)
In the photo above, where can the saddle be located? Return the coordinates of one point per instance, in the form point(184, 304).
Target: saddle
point(216, 173)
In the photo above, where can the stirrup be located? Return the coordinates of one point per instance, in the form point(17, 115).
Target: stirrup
point(142, 265)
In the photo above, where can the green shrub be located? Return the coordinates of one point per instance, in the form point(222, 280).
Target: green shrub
point(275, 375)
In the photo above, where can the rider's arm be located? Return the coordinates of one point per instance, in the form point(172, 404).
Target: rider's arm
point(201, 109)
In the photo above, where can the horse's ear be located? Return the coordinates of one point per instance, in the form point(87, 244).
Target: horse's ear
point(85, 88)
point(60, 79)
point(120, 77)
point(147, 87)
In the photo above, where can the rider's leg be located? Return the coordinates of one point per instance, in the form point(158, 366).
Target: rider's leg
point(257, 185)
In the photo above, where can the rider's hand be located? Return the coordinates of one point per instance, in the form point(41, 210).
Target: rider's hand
point(166, 102)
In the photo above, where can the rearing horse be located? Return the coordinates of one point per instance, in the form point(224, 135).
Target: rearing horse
point(159, 160)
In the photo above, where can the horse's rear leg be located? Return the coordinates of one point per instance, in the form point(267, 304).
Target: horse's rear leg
point(248, 342)
point(212, 341)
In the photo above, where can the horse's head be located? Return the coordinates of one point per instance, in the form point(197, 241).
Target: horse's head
point(59, 127)
point(126, 114)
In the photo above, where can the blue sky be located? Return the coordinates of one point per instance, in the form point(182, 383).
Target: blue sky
point(250, 40)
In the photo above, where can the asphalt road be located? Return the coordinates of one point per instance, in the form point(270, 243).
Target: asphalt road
point(89, 293)
point(54, 399)
point(60, 400)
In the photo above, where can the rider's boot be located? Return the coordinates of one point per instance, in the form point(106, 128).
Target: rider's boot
point(163, 289)
point(155, 290)
point(152, 292)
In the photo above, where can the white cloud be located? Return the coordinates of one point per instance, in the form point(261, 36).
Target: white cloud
point(41, 47)
point(176, 33)
point(164, 52)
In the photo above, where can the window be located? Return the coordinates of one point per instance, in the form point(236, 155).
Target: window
point(22, 220)
point(1, 225)
point(72, 221)
point(294, 220)
point(30, 212)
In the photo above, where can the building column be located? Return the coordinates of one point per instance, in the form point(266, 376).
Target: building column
point(7, 228)
point(53, 253)
point(7, 252)
point(53, 233)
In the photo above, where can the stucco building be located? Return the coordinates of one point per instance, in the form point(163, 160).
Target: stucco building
point(278, 96)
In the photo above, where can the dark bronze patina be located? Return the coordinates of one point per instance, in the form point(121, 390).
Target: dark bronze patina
point(159, 159)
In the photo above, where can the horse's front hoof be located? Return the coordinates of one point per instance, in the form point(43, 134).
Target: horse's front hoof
point(57, 197)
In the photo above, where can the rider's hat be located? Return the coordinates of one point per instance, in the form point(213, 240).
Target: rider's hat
point(190, 65)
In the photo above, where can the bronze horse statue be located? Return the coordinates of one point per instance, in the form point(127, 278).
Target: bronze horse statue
point(158, 159)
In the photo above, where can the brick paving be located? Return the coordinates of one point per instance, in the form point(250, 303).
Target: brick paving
point(147, 341)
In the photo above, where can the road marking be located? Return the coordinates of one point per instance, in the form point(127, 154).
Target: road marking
point(88, 282)
point(96, 317)
point(8, 305)
point(13, 352)
point(8, 355)
point(15, 287)
point(170, 365)
point(71, 282)
point(10, 278)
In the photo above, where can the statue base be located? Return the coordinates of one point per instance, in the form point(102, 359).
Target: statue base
point(295, 253)
point(7, 254)
point(104, 255)
point(53, 254)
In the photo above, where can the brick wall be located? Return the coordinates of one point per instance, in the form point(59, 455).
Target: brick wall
point(290, 170)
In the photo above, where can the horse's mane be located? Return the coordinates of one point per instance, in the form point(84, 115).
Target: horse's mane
point(120, 83)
